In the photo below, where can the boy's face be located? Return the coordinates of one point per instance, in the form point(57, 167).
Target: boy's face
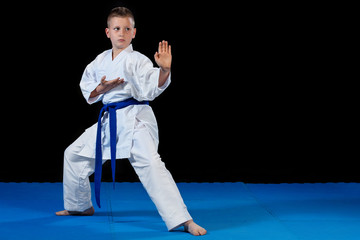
point(120, 31)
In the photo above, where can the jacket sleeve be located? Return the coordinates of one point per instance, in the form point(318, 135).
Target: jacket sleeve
point(144, 78)
point(89, 82)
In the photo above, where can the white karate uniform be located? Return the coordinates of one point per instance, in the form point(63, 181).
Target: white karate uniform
point(137, 136)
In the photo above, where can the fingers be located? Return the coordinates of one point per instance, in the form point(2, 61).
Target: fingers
point(116, 81)
point(160, 48)
point(164, 47)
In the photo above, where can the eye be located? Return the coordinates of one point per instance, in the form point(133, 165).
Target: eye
point(127, 29)
point(116, 28)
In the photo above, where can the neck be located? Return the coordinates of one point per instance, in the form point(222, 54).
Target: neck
point(115, 52)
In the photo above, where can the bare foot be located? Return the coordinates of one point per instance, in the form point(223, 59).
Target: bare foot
point(191, 227)
point(87, 212)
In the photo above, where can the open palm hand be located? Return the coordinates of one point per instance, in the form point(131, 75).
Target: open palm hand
point(163, 56)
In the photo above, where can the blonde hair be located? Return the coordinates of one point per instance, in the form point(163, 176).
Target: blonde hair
point(120, 12)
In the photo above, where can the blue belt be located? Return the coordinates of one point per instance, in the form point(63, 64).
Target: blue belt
point(111, 108)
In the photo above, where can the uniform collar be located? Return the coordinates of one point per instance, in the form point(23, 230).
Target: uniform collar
point(128, 49)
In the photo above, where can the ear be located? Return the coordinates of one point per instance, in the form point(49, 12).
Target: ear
point(107, 30)
point(134, 33)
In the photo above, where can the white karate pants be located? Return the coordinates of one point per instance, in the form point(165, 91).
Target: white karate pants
point(146, 162)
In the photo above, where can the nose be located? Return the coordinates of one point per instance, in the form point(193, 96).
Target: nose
point(122, 32)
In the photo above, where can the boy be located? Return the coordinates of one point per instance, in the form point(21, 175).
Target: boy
point(128, 128)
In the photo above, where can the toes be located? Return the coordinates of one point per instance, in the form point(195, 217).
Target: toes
point(202, 231)
point(62, 213)
point(88, 212)
point(195, 229)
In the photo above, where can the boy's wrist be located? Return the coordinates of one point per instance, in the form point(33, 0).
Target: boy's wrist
point(95, 92)
point(165, 70)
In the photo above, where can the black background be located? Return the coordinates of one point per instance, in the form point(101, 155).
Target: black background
point(259, 91)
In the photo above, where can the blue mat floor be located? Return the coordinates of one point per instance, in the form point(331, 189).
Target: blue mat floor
point(228, 211)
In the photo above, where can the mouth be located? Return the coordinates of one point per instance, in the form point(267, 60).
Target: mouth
point(121, 40)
